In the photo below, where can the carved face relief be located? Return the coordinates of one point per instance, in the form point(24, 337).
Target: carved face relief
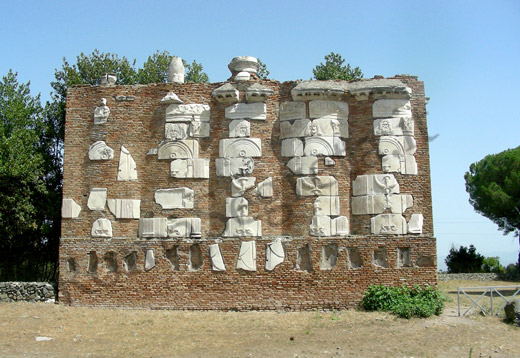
point(385, 127)
point(334, 123)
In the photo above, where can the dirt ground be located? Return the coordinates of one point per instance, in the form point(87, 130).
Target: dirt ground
point(88, 332)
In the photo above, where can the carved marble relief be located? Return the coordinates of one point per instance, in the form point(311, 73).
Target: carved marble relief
point(388, 224)
point(341, 225)
point(404, 164)
point(316, 186)
point(292, 147)
point(328, 161)
point(127, 168)
point(189, 168)
point(184, 227)
point(149, 260)
point(97, 199)
point(102, 112)
point(243, 227)
point(375, 184)
point(415, 225)
point(326, 146)
point(322, 225)
point(326, 205)
point(265, 188)
point(100, 151)
point(394, 126)
point(328, 110)
point(328, 127)
point(176, 131)
point(247, 256)
point(303, 165)
point(237, 207)
point(274, 254)
point(239, 128)
point(175, 198)
point(384, 108)
point(292, 110)
point(241, 184)
point(182, 149)
point(125, 208)
point(227, 167)
point(240, 148)
point(188, 113)
point(295, 129)
point(69, 209)
point(217, 262)
point(377, 204)
point(226, 94)
point(200, 129)
point(253, 111)
point(101, 228)
point(393, 145)
point(258, 93)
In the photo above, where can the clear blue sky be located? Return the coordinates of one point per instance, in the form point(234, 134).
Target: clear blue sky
point(466, 52)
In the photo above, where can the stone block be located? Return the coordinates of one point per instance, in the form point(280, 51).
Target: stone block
point(328, 109)
point(241, 184)
point(274, 254)
point(295, 129)
point(100, 151)
point(153, 227)
point(240, 148)
point(388, 224)
point(316, 186)
point(393, 145)
point(149, 260)
point(200, 129)
point(253, 111)
point(415, 225)
point(341, 225)
point(175, 198)
point(182, 149)
point(189, 168)
point(303, 165)
point(258, 93)
point(326, 205)
point(326, 127)
point(394, 126)
point(97, 199)
point(125, 208)
point(102, 112)
point(243, 227)
point(384, 108)
point(236, 207)
point(247, 256)
point(217, 262)
point(239, 128)
point(265, 188)
point(176, 131)
point(292, 110)
point(378, 203)
point(292, 147)
point(127, 170)
point(184, 227)
point(227, 167)
point(324, 146)
point(226, 94)
point(320, 226)
point(188, 113)
point(101, 228)
point(375, 184)
point(69, 209)
point(404, 164)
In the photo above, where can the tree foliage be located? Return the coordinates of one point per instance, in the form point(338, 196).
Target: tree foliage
point(263, 72)
point(334, 69)
point(464, 260)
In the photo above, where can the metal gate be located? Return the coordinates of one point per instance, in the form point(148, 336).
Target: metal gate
point(493, 292)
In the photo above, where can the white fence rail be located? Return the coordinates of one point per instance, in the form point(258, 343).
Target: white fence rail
point(495, 293)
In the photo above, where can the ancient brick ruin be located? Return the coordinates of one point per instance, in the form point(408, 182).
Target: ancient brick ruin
point(248, 194)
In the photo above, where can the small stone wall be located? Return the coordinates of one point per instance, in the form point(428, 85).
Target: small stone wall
point(26, 291)
point(468, 276)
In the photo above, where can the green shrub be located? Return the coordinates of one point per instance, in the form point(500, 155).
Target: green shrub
point(403, 301)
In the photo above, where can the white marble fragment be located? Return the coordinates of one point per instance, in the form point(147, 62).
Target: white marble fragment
point(274, 254)
point(243, 76)
point(127, 168)
point(384, 108)
point(217, 262)
point(100, 151)
point(388, 224)
point(101, 228)
point(189, 168)
point(328, 161)
point(327, 146)
point(320, 226)
point(316, 186)
point(394, 126)
point(187, 112)
point(328, 109)
point(97, 199)
point(247, 256)
point(175, 198)
point(241, 184)
point(176, 70)
point(176, 131)
point(265, 188)
point(375, 184)
point(404, 164)
point(258, 93)
point(378, 203)
point(236, 207)
point(243, 64)
point(303, 165)
point(341, 225)
point(326, 205)
point(239, 128)
point(327, 127)
point(294, 129)
point(182, 149)
point(415, 225)
point(102, 112)
point(152, 227)
point(292, 147)
point(227, 167)
point(226, 94)
point(254, 111)
point(393, 145)
point(149, 260)
point(243, 227)
point(200, 129)
point(292, 110)
point(69, 209)
point(125, 208)
point(184, 227)
point(240, 148)
point(171, 98)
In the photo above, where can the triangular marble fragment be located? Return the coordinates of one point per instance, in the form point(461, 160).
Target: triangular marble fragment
point(265, 188)
point(171, 98)
point(247, 256)
point(274, 254)
point(217, 262)
point(127, 169)
point(149, 260)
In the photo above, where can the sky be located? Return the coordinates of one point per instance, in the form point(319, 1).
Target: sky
point(466, 52)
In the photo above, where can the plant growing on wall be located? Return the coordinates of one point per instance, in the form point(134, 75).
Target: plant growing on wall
point(334, 69)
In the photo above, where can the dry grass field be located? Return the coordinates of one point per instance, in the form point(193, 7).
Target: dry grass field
point(88, 332)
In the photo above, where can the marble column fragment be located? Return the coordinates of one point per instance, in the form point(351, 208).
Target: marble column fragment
point(274, 254)
point(217, 262)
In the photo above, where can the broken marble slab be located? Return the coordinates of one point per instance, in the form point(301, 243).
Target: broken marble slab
point(384, 108)
point(317, 186)
point(258, 93)
point(125, 208)
point(149, 260)
point(294, 129)
point(326, 146)
point(227, 167)
point(101, 228)
point(69, 209)
point(329, 161)
point(175, 198)
point(127, 170)
point(215, 255)
point(184, 227)
point(253, 111)
point(171, 98)
point(182, 149)
point(97, 199)
point(404, 164)
point(200, 129)
point(189, 168)
point(292, 147)
point(388, 224)
point(240, 148)
point(236, 207)
point(341, 225)
point(292, 110)
point(274, 254)
point(394, 126)
point(326, 205)
point(265, 188)
point(239, 128)
point(176, 131)
point(393, 145)
point(243, 227)
point(226, 93)
point(241, 184)
point(322, 225)
point(303, 165)
point(100, 151)
point(102, 112)
point(247, 256)
point(375, 184)
point(188, 112)
point(415, 225)
point(378, 203)
point(326, 127)
point(152, 227)
point(328, 110)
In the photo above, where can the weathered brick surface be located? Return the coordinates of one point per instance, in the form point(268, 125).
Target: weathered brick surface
point(139, 126)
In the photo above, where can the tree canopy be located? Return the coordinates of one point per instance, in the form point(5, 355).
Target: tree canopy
point(334, 69)
point(464, 260)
